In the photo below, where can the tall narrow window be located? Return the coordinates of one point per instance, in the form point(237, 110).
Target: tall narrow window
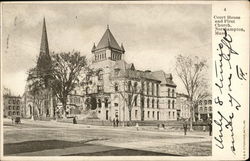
point(173, 93)
point(136, 114)
point(116, 87)
point(173, 104)
point(153, 103)
point(168, 92)
point(135, 100)
point(106, 102)
point(99, 103)
point(100, 75)
point(129, 86)
point(153, 89)
point(157, 89)
point(135, 87)
point(148, 102)
point(168, 103)
point(157, 103)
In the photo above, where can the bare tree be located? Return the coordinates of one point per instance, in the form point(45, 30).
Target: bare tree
point(129, 93)
point(191, 71)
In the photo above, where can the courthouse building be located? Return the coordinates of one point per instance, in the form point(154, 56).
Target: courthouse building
point(113, 88)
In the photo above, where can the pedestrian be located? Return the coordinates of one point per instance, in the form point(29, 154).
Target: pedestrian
point(210, 127)
point(185, 127)
point(137, 126)
point(117, 122)
point(114, 122)
point(204, 128)
point(74, 120)
point(12, 119)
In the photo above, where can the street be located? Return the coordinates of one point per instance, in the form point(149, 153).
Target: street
point(51, 138)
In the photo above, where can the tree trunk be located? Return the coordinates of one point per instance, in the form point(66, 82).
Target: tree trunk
point(64, 109)
point(191, 116)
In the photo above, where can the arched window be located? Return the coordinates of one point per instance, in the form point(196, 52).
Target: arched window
point(116, 87)
point(210, 108)
point(99, 103)
point(148, 102)
point(9, 113)
point(100, 75)
point(205, 102)
point(205, 109)
point(106, 102)
point(157, 103)
point(168, 103)
point(173, 104)
point(200, 102)
point(153, 103)
point(169, 92)
point(172, 92)
point(87, 90)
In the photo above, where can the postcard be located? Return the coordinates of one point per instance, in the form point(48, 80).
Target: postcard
point(125, 80)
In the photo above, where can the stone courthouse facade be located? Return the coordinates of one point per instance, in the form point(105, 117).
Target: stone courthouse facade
point(113, 88)
point(119, 90)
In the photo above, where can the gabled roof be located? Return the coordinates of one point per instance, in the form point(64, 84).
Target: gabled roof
point(164, 78)
point(108, 41)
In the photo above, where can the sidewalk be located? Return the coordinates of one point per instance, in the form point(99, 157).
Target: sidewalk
point(54, 123)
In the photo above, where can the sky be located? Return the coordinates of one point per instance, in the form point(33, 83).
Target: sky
point(152, 34)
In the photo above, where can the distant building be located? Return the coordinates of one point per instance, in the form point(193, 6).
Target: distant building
point(182, 106)
point(205, 109)
point(12, 106)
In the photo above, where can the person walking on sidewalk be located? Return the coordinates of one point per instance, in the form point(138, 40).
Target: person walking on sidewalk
point(113, 122)
point(210, 126)
point(117, 122)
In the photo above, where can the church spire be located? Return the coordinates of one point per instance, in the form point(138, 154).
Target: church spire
point(44, 60)
point(44, 41)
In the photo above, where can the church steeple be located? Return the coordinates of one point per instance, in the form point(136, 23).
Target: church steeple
point(44, 41)
point(44, 59)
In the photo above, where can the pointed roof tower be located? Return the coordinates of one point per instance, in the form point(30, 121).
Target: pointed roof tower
point(108, 41)
point(122, 47)
point(93, 48)
point(44, 59)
